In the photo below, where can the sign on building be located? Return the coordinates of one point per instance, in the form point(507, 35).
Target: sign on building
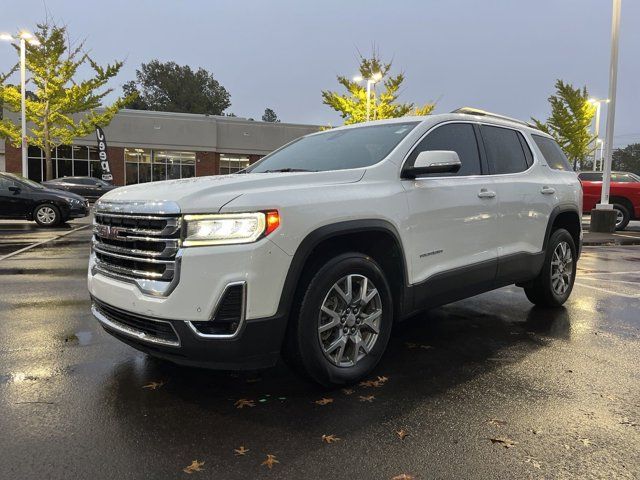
point(102, 155)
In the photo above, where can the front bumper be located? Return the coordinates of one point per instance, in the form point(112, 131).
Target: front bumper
point(257, 345)
point(78, 211)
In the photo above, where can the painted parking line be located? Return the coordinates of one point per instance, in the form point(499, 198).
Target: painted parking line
point(34, 245)
point(610, 292)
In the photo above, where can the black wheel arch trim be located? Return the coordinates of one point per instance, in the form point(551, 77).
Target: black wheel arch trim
point(562, 208)
point(326, 232)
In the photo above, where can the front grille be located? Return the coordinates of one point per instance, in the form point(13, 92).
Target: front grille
point(228, 315)
point(151, 330)
point(137, 247)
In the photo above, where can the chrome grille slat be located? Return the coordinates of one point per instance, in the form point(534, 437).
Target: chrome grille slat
point(136, 247)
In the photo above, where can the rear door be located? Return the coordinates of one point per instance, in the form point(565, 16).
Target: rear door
point(525, 197)
point(452, 216)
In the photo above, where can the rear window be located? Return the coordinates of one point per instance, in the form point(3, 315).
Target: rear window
point(552, 153)
point(505, 150)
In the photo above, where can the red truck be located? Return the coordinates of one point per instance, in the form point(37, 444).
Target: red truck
point(624, 194)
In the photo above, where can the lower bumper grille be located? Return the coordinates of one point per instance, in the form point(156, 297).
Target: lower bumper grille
point(137, 326)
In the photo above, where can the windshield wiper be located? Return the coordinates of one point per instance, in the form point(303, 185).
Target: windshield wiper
point(278, 170)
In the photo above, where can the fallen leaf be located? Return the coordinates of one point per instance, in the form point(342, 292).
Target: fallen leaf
point(378, 382)
point(243, 402)
point(533, 461)
point(241, 450)
point(504, 441)
point(330, 438)
point(348, 391)
point(535, 431)
point(567, 447)
point(324, 401)
point(270, 461)
point(369, 398)
point(253, 380)
point(195, 466)
point(153, 385)
point(497, 422)
point(402, 433)
point(403, 476)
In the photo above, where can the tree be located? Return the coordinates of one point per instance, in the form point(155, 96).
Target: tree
point(61, 107)
point(571, 116)
point(627, 159)
point(352, 106)
point(270, 116)
point(170, 87)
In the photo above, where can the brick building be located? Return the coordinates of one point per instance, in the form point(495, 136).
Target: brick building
point(148, 146)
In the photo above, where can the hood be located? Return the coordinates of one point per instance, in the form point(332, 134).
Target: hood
point(210, 194)
point(62, 194)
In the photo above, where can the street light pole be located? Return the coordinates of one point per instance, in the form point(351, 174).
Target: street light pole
point(23, 98)
point(23, 37)
point(375, 78)
point(603, 218)
point(611, 111)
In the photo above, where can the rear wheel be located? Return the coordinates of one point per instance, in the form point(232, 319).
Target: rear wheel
point(344, 321)
point(622, 216)
point(47, 215)
point(553, 285)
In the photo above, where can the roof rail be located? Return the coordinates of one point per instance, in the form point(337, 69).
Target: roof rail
point(477, 111)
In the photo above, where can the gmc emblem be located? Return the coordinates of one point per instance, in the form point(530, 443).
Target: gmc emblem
point(107, 231)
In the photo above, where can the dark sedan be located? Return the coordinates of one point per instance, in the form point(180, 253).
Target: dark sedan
point(25, 199)
point(90, 188)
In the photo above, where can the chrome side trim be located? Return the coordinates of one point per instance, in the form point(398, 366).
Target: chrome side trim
point(132, 332)
point(241, 323)
point(138, 207)
point(152, 287)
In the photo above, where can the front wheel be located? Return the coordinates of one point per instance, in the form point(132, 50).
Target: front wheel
point(47, 215)
point(554, 283)
point(344, 321)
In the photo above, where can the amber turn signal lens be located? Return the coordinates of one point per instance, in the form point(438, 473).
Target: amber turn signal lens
point(273, 222)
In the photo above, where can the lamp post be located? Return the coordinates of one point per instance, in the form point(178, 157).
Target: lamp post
point(600, 146)
point(21, 39)
point(375, 78)
point(596, 127)
point(603, 217)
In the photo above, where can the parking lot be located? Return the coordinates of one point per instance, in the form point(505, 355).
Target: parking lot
point(484, 388)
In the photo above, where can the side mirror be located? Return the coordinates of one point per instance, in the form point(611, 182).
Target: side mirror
point(433, 161)
point(15, 189)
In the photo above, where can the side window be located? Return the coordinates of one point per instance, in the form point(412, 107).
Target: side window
point(622, 177)
point(504, 150)
point(458, 137)
point(553, 154)
point(590, 177)
point(5, 183)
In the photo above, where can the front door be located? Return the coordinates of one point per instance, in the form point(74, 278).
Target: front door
point(452, 217)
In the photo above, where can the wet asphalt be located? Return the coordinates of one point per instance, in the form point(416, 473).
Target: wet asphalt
point(562, 386)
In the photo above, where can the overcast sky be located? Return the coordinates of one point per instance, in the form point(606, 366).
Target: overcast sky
point(499, 55)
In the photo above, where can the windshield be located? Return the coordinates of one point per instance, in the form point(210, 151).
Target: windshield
point(336, 149)
point(24, 181)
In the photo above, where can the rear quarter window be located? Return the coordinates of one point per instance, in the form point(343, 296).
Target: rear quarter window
point(552, 153)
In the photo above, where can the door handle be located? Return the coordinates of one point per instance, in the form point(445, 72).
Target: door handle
point(547, 190)
point(484, 193)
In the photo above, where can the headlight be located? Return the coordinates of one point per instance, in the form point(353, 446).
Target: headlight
point(228, 228)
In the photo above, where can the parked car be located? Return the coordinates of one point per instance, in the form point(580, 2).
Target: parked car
point(318, 248)
point(25, 199)
point(624, 194)
point(90, 188)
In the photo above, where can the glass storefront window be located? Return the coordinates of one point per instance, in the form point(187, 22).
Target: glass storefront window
point(232, 163)
point(145, 165)
point(68, 161)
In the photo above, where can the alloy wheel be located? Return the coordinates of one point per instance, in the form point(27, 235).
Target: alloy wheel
point(619, 217)
point(349, 320)
point(46, 215)
point(561, 268)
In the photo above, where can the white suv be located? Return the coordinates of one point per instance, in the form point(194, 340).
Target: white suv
point(318, 248)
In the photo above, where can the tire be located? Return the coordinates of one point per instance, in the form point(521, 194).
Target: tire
point(312, 352)
point(623, 216)
point(545, 291)
point(47, 215)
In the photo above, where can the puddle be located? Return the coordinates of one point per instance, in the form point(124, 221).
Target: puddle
point(79, 338)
